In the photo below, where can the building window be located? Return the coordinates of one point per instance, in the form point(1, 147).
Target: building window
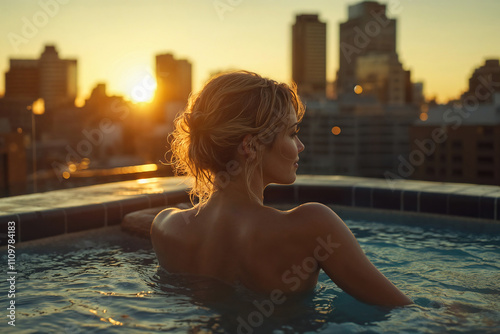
point(457, 145)
point(485, 174)
point(485, 160)
point(488, 131)
point(484, 145)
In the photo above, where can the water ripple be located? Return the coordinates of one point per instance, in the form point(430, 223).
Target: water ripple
point(110, 283)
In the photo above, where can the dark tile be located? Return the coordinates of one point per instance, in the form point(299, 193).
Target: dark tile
point(157, 199)
point(410, 200)
point(386, 199)
point(279, 194)
point(42, 224)
point(114, 212)
point(179, 196)
point(134, 204)
point(85, 217)
point(497, 211)
point(362, 196)
point(25, 218)
point(487, 207)
point(434, 202)
point(5, 227)
point(326, 194)
point(463, 205)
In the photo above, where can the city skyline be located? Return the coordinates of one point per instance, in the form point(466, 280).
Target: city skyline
point(128, 35)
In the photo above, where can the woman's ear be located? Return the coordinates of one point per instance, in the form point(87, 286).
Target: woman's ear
point(248, 146)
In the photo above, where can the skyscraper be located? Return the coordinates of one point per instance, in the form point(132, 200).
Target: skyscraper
point(22, 80)
point(365, 130)
point(382, 76)
point(50, 78)
point(367, 31)
point(173, 78)
point(57, 79)
point(309, 55)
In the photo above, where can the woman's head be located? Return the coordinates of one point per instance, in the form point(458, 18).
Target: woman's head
point(234, 112)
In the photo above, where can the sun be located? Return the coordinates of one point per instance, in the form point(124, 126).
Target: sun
point(137, 82)
point(141, 85)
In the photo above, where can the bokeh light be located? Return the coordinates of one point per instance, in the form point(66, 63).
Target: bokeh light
point(38, 107)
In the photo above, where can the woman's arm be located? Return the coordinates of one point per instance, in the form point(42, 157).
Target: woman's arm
point(347, 264)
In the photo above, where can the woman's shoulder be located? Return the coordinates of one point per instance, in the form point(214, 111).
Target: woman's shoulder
point(312, 211)
point(312, 207)
point(170, 217)
point(315, 217)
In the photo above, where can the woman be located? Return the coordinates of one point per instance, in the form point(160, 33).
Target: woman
point(238, 135)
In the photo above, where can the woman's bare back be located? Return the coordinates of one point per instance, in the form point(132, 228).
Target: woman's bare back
point(270, 251)
point(261, 249)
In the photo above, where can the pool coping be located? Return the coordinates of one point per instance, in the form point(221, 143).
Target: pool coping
point(58, 212)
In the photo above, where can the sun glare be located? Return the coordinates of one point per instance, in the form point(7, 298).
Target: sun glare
point(142, 86)
point(138, 81)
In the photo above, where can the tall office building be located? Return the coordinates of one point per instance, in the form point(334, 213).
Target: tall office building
point(173, 79)
point(174, 85)
point(382, 75)
point(365, 130)
point(367, 32)
point(22, 80)
point(50, 78)
point(57, 79)
point(309, 55)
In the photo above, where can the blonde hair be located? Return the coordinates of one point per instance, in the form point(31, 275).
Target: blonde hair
point(208, 134)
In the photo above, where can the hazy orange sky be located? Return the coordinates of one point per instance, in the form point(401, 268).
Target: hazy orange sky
point(115, 41)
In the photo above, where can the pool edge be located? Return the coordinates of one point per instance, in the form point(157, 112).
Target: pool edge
point(107, 204)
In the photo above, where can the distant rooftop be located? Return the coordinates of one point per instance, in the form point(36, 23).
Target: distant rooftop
point(364, 9)
point(483, 114)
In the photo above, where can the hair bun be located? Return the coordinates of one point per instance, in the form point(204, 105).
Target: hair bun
point(197, 119)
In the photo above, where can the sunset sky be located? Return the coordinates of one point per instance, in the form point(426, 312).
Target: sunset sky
point(115, 41)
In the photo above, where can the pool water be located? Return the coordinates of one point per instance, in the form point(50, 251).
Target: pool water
point(106, 281)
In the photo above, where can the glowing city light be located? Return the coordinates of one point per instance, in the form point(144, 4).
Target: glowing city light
point(336, 130)
point(38, 107)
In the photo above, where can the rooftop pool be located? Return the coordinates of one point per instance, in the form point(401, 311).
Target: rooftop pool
point(106, 281)
point(79, 279)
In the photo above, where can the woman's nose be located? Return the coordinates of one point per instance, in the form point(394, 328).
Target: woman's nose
point(300, 145)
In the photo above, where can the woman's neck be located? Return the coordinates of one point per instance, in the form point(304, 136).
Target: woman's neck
point(236, 191)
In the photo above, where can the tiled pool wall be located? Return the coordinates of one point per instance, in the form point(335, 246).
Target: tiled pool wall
point(65, 211)
point(463, 200)
point(465, 206)
point(58, 212)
